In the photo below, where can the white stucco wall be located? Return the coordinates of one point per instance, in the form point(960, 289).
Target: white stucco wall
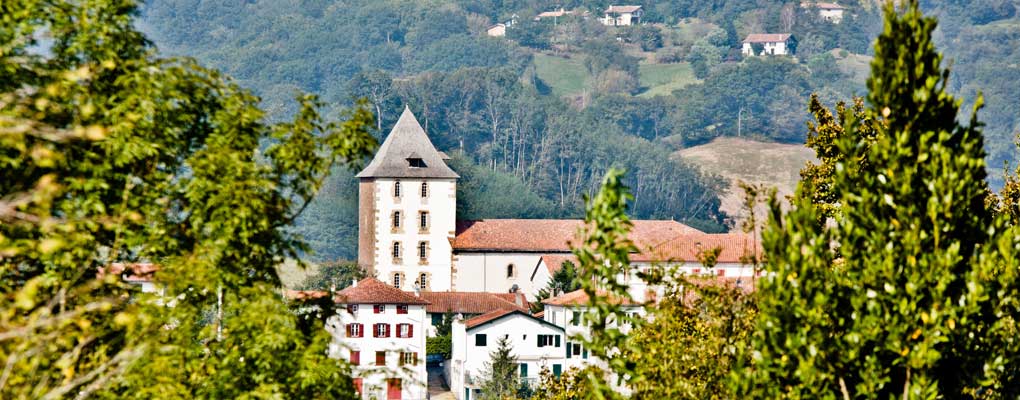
point(770, 48)
point(441, 205)
point(414, 379)
point(487, 272)
point(832, 15)
point(468, 359)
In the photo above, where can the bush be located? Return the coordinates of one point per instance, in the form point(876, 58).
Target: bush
point(439, 345)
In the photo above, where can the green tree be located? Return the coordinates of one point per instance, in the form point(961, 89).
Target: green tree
point(334, 275)
point(500, 374)
point(823, 137)
point(921, 299)
point(112, 155)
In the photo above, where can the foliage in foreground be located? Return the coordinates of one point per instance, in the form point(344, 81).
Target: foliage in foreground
point(110, 155)
point(920, 301)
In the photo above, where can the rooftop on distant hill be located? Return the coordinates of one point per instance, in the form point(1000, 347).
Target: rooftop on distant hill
point(766, 37)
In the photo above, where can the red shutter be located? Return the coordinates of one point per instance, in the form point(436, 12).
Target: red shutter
point(357, 386)
point(410, 333)
point(415, 358)
point(361, 330)
point(387, 330)
point(355, 357)
point(350, 309)
point(375, 330)
point(721, 272)
point(349, 330)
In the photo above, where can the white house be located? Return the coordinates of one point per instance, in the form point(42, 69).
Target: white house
point(380, 330)
point(498, 30)
point(770, 43)
point(622, 15)
point(536, 344)
point(567, 310)
point(831, 12)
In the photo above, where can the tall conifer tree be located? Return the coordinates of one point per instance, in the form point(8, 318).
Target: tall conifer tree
point(912, 293)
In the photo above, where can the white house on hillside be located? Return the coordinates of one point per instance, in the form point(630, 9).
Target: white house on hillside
point(770, 43)
point(497, 30)
point(831, 12)
point(380, 330)
point(622, 15)
point(535, 343)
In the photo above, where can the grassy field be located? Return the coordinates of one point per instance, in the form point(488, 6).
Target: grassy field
point(565, 76)
point(858, 66)
point(663, 79)
point(773, 164)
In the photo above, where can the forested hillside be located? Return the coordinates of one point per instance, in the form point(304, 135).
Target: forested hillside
point(535, 118)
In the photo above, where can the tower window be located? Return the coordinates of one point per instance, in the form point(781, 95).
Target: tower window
point(396, 219)
point(396, 189)
point(422, 247)
point(422, 280)
point(510, 271)
point(424, 189)
point(396, 250)
point(423, 219)
point(396, 281)
point(415, 162)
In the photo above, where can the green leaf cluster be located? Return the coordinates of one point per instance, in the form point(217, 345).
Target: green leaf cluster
point(111, 155)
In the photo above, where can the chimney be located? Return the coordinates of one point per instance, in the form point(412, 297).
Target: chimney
point(354, 283)
point(518, 301)
point(417, 291)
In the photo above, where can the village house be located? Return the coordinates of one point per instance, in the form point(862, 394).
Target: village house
point(380, 331)
point(769, 44)
point(831, 12)
point(536, 343)
point(567, 311)
point(469, 304)
point(498, 30)
point(409, 237)
point(554, 15)
point(622, 15)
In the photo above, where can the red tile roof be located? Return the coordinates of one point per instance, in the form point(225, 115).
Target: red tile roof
point(135, 272)
point(374, 291)
point(490, 316)
point(736, 248)
point(622, 9)
point(305, 294)
point(550, 235)
point(580, 298)
point(766, 37)
point(473, 302)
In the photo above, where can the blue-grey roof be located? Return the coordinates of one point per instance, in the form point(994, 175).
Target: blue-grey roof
point(407, 140)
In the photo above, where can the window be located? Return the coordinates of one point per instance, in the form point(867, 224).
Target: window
point(576, 318)
point(557, 370)
point(396, 250)
point(396, 189)
point(408, 358)
point(423, 219)
point(548, 340)
point(415, 163)
point(405, 331)
point(379, 309)
point(380, 358)
point(381, 330)
point(355, 330)
point(396, 280)
point(352, 308)
point(480, 339)
point(424, 189)
point(355, 357)
point(396, 219)
point(423, 281)
point(422, 249)
point(402, 309)
point(696, 271)
point(577, 349)
point(721, 272)
point(510, 271)
point(524, 370)
point(357, 386)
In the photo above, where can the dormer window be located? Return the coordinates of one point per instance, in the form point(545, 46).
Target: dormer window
point(415, 162)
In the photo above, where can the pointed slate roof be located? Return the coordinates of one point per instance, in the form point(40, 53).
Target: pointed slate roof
point(407, 140)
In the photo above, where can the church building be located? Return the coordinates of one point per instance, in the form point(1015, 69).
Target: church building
point(410, 238)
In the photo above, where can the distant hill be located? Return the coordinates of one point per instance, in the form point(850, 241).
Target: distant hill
point(774, 164)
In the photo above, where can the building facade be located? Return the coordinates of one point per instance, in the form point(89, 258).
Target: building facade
point(381, 330)
point(536, 343)
point(770, 44)
point(622, 15)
